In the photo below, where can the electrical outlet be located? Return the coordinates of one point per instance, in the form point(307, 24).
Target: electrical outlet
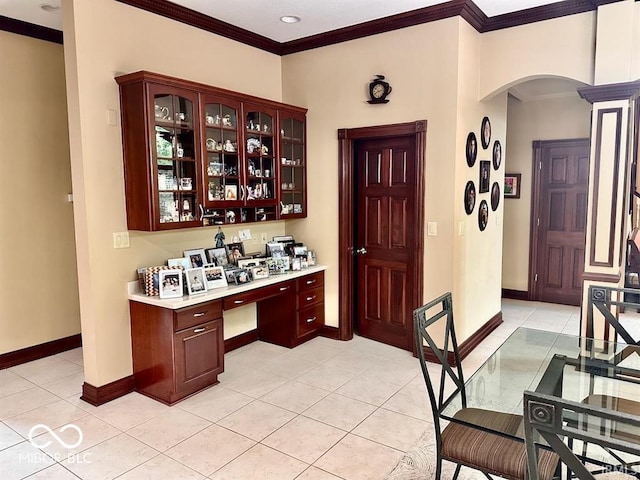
point(432, 229)
point(121, 240)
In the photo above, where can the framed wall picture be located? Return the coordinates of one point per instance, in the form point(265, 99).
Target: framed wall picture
point(197, 257)
point(483, 215)
point(495, 196)
point(485, 175)
point(469, 197)
point(214, 276)
point(471, 149)
point(196, 281)
point(485, 132)
point(497, 154)
point(170, 283)
point(512, 185)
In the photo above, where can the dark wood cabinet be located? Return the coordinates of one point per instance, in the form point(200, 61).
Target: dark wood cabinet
point(295, 316)
point(196, 155)
point(176, 352)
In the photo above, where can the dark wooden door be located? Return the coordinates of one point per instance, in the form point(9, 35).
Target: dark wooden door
point(562, 206)
point(384, 243)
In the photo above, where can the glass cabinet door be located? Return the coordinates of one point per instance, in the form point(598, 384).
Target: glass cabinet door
point(223, 164)
point(260, 167)
point(292, 167)
point(175, 155)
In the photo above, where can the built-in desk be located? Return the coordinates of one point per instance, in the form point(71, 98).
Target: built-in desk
point(178, 344)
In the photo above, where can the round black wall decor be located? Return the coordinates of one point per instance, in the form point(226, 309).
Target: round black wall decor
point(497, 154)
point(495, 196)
point(471, 149)
point(483, 215)
point(469, 197)
point(485, 132)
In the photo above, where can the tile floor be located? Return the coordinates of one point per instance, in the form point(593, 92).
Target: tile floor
point(325, 410)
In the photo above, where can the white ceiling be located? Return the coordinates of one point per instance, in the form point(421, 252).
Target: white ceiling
point(263, 17)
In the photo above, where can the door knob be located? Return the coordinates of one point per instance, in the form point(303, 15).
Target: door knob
point(361, 251)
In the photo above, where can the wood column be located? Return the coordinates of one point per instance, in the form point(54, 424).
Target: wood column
point(614, 140)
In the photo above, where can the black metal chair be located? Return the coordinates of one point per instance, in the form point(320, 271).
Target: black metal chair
point(476, 446)
point(603, 299)
point(555, 420)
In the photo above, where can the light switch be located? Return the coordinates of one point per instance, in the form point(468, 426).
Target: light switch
point(121, 240)
point(432, 229)
point(111, 117)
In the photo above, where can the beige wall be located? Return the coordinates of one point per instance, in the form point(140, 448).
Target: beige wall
point(102, 39)
point(332, 82)
point(561, 47)
point(39, 287)
point(553, 119)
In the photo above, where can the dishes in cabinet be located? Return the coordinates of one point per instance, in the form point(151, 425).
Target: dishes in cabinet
point(211, 144)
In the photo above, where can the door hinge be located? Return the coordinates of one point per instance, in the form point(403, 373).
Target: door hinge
point(538, 222)
point(535, 278)
point(539, 165)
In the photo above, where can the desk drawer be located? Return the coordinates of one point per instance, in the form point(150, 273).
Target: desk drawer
point(310, 319)
point(244, 298)
point(310, 281)
point(310, 297)
point(192, 316)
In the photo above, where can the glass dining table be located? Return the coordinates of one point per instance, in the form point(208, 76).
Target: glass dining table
point(564, 366)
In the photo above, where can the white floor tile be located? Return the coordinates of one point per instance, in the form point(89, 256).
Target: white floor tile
point(263, 463)
point(130, 410)
point(168, 430)
point(9, 437)
point(257, 420)
point(392, 429)
point(52, 416)
point(22, 460)
point(67, 386)
point(304, 438)
point(25, 400)
point(368, 388)
point(215, 403)
point(109, 459)
point(314, 473)
point(339, 411)
point(356, 458)
point(161, 467)
point(11, 383)
point(54, 472)
point(210, 449)
point(295, 396)
point(46, 370)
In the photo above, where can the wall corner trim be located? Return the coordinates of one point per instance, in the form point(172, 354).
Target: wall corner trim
point(97, 396)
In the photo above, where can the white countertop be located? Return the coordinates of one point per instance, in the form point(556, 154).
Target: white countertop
point(133, 289)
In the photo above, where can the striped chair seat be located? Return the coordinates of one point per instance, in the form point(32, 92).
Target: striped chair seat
point(489, 452)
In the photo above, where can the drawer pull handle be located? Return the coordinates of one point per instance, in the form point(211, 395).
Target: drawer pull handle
point(282, 289)
point(312, 297)
point(238, 302)
point(309, 282)
point(199, 314)
point(199, 330)
point(311, 320)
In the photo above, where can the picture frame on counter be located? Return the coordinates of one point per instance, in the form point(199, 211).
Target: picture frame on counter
point(196, 281)
point(218, 256)
point(235, 251)
point(171, 284)
point(214, 276)
point(197, 257)
point(183, 262)
point(311, 258)
point(242, 276)
point(260, 271)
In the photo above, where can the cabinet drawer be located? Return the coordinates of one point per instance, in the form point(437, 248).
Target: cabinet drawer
point(310, 319)
point(244, 298)
point(190, 316)
point(310, 281)
point(310, 297)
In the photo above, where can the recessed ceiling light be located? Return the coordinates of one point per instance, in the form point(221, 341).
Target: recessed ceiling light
point(290, 19)
point(50, 8)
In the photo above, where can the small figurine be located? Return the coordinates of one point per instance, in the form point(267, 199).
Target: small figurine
point(231, 216)
point(228, 146)
point(265, 149)
point(219, 237)
point(226, 121)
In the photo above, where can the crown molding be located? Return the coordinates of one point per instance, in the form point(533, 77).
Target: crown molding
point(610, 91)
point(30, 30)
point(204, 22)
point(539, 14)
point(467, 9)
